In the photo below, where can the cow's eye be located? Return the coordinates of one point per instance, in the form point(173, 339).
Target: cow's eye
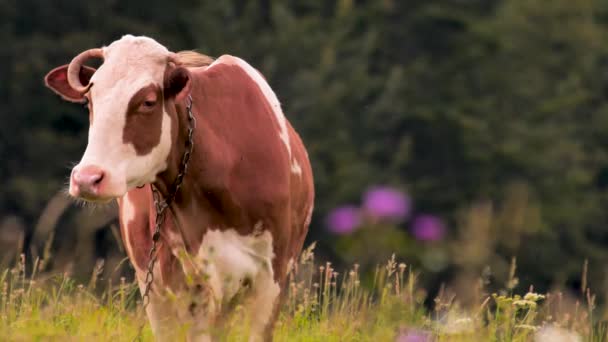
point(149, 104)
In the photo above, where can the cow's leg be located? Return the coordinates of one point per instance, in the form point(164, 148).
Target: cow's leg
point(268, 331)
point(264, 300)
point(162, 317)
point(268, 295)
point(282, 267)
point(200, 303)
point(186, 315)
point(201, 314)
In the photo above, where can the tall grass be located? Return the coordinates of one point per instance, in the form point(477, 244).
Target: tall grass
point(40, 308)
point(322, 304)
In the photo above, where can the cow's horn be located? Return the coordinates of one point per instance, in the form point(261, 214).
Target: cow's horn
point(74, 69)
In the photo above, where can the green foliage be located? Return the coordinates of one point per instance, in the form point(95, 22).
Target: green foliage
point(459, 102)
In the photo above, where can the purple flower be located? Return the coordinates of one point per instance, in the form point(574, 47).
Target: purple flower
point(343, 220)
point(386, 203)
point(412, 336)
point(428, 228)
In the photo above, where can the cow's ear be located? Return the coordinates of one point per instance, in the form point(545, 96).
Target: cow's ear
point(57, 81)
point(178, 83)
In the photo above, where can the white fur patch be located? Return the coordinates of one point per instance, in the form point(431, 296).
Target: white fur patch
point(127, 215)
point(230, 259)
point(296, 168)
point(289, 265)
point(309, 215)
point(258, 228)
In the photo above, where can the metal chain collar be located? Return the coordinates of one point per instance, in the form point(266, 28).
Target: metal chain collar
point(161, 204)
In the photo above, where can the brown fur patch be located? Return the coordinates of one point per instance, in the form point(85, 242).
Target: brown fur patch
point(144, 122)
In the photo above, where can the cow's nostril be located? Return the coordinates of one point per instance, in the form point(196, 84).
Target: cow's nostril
point(98, 178)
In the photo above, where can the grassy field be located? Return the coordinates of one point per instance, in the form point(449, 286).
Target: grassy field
point(323, 305)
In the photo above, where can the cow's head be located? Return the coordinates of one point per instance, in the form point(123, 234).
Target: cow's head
point(131, 120)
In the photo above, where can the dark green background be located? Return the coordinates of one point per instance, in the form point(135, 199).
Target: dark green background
point(461, 103)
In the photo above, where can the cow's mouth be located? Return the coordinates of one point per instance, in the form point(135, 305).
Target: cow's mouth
point(90, 196)
point(95, 199)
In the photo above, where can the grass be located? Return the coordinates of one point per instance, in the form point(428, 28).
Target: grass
point(322, 305)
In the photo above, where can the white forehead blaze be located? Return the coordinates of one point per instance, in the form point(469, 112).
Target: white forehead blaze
point(130, 64)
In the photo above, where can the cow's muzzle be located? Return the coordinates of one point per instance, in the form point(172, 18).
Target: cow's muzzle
point(87, 182)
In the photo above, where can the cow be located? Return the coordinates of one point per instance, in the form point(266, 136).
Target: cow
point(238, 219)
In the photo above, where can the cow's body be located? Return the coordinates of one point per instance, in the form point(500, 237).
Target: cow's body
point(242, 213)
point(244, 208)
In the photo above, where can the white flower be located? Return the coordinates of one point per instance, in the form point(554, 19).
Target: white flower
point(524, 303)
point(552, 333)
point(533, 296)
point(459, 325)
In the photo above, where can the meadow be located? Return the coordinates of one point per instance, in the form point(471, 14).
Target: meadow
point(323, 304)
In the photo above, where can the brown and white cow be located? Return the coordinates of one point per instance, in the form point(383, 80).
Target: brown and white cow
point(242, 214)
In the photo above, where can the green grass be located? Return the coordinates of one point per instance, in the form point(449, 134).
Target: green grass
point(322, 305)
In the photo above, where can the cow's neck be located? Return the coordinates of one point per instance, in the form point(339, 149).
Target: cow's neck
point(189, 201)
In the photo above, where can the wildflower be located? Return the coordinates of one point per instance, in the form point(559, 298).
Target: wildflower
point(524, 303)
point(386, 203)
point(428, 228)
point(413, 336)
point(535, 297)
point(463, 320)
point(343, 220)
point(552, 333)
point(504, 301)
point(459, 325)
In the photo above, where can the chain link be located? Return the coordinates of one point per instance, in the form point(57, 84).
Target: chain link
point(160, 205)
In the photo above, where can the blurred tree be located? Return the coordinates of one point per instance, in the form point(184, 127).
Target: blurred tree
point(459, 102)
